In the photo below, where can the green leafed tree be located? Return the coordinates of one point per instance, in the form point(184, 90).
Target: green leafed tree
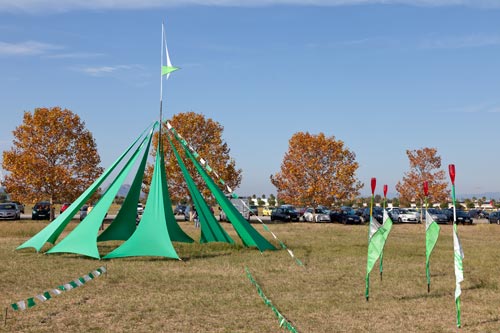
point(53, 157)
point(317, 170)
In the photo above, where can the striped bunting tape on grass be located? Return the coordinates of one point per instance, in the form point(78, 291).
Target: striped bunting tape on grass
point(282, 320)
point(32, 301)
point(209, 169)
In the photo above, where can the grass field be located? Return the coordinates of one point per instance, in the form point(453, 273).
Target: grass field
point(208, 291)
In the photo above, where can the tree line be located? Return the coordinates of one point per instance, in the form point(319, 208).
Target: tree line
point(54, 157)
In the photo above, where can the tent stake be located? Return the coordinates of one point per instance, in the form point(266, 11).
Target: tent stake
point(6, 309)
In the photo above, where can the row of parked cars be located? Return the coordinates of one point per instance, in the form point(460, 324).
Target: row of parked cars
point(348, 215)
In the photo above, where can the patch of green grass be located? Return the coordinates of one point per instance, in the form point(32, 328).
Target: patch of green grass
point(208, 291)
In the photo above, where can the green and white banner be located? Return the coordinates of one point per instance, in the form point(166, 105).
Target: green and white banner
point(45, 296)
point(282, 320)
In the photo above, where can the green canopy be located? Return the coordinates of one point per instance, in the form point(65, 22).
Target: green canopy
point(52, 231)
point(155, 232)
point(83, 239)
point(246, 232)
point(211, 230)
point(124, 224)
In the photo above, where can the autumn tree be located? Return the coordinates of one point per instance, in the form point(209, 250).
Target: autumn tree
point(54, 157)
point(272, 200)
point(205, 136)
point(425, 165)
point(317, 170)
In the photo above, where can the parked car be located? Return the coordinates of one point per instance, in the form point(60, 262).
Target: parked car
point(41, 211)
point(10, 211)
point(494, 217)
point(20, 206)
point(254, 210)
point(179, 209)
point(378, 214)
point(140, 208)
point(406, 216)
point(84, 210)
point(335, 215)
point(266, 211)
point(316, 215)
point(438, 216)
point(64, 207)
point(483, 214)
point(349, 217)
point(241, 204)
point(463, 217)
point(284, 213)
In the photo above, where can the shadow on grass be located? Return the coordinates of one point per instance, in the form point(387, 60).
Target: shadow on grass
point(423, 295)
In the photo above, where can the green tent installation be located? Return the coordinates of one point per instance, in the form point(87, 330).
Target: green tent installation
point(158, 229)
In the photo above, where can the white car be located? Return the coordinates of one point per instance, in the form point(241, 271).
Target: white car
point(319, 215)
point(407, 215)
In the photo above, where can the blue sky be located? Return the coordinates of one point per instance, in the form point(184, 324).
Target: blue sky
point(382, 76)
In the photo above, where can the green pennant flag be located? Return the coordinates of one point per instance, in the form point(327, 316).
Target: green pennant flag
point(431, 237)
point(376, 241)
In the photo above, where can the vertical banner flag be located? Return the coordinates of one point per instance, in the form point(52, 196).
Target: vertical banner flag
point(373, 250)
point(383, 224)
point(457, 248)
point(168, 68)
point(431, 236)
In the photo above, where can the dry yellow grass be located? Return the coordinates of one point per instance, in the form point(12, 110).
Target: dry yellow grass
point(209, 292)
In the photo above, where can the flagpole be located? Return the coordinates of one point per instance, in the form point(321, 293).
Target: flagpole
point(367, 280)
point(426, 203)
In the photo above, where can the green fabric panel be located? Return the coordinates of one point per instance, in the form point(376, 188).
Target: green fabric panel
point(52, 231)
point(124, 224)
point(174, 230)
point(152, 236)
point(211, 230)
point(248, 235)
point(83, 239)
point(168, 69)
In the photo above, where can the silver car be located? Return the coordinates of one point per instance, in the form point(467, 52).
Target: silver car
point(10, 211)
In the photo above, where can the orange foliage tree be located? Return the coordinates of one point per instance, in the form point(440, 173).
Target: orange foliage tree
point(54, 157)
point(425, 165)
point(317, 170)
point(205, 136)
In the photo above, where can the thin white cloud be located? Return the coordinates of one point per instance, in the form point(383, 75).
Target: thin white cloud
point(479, 108)
point(26, 48)
point(107, 70)
point(471, 41)
point(81, 55)
point(34, 6)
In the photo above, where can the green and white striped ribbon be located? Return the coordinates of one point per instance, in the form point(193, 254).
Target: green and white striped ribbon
point(282, 320)
point(45, 296)
point(229, 190)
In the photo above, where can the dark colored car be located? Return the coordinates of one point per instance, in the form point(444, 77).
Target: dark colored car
point(378, 214)
point(254, 210)
point(180, 210)
point(83, 212)
point(284, 213)
point(9, 211)
point(350, 217)
point(463, 217)
point(494, 217)
point(41, 211)
point(20, 206)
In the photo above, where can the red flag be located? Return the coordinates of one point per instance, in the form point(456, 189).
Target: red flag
point(426, 188)
point(451, 169)
point(374, 184)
